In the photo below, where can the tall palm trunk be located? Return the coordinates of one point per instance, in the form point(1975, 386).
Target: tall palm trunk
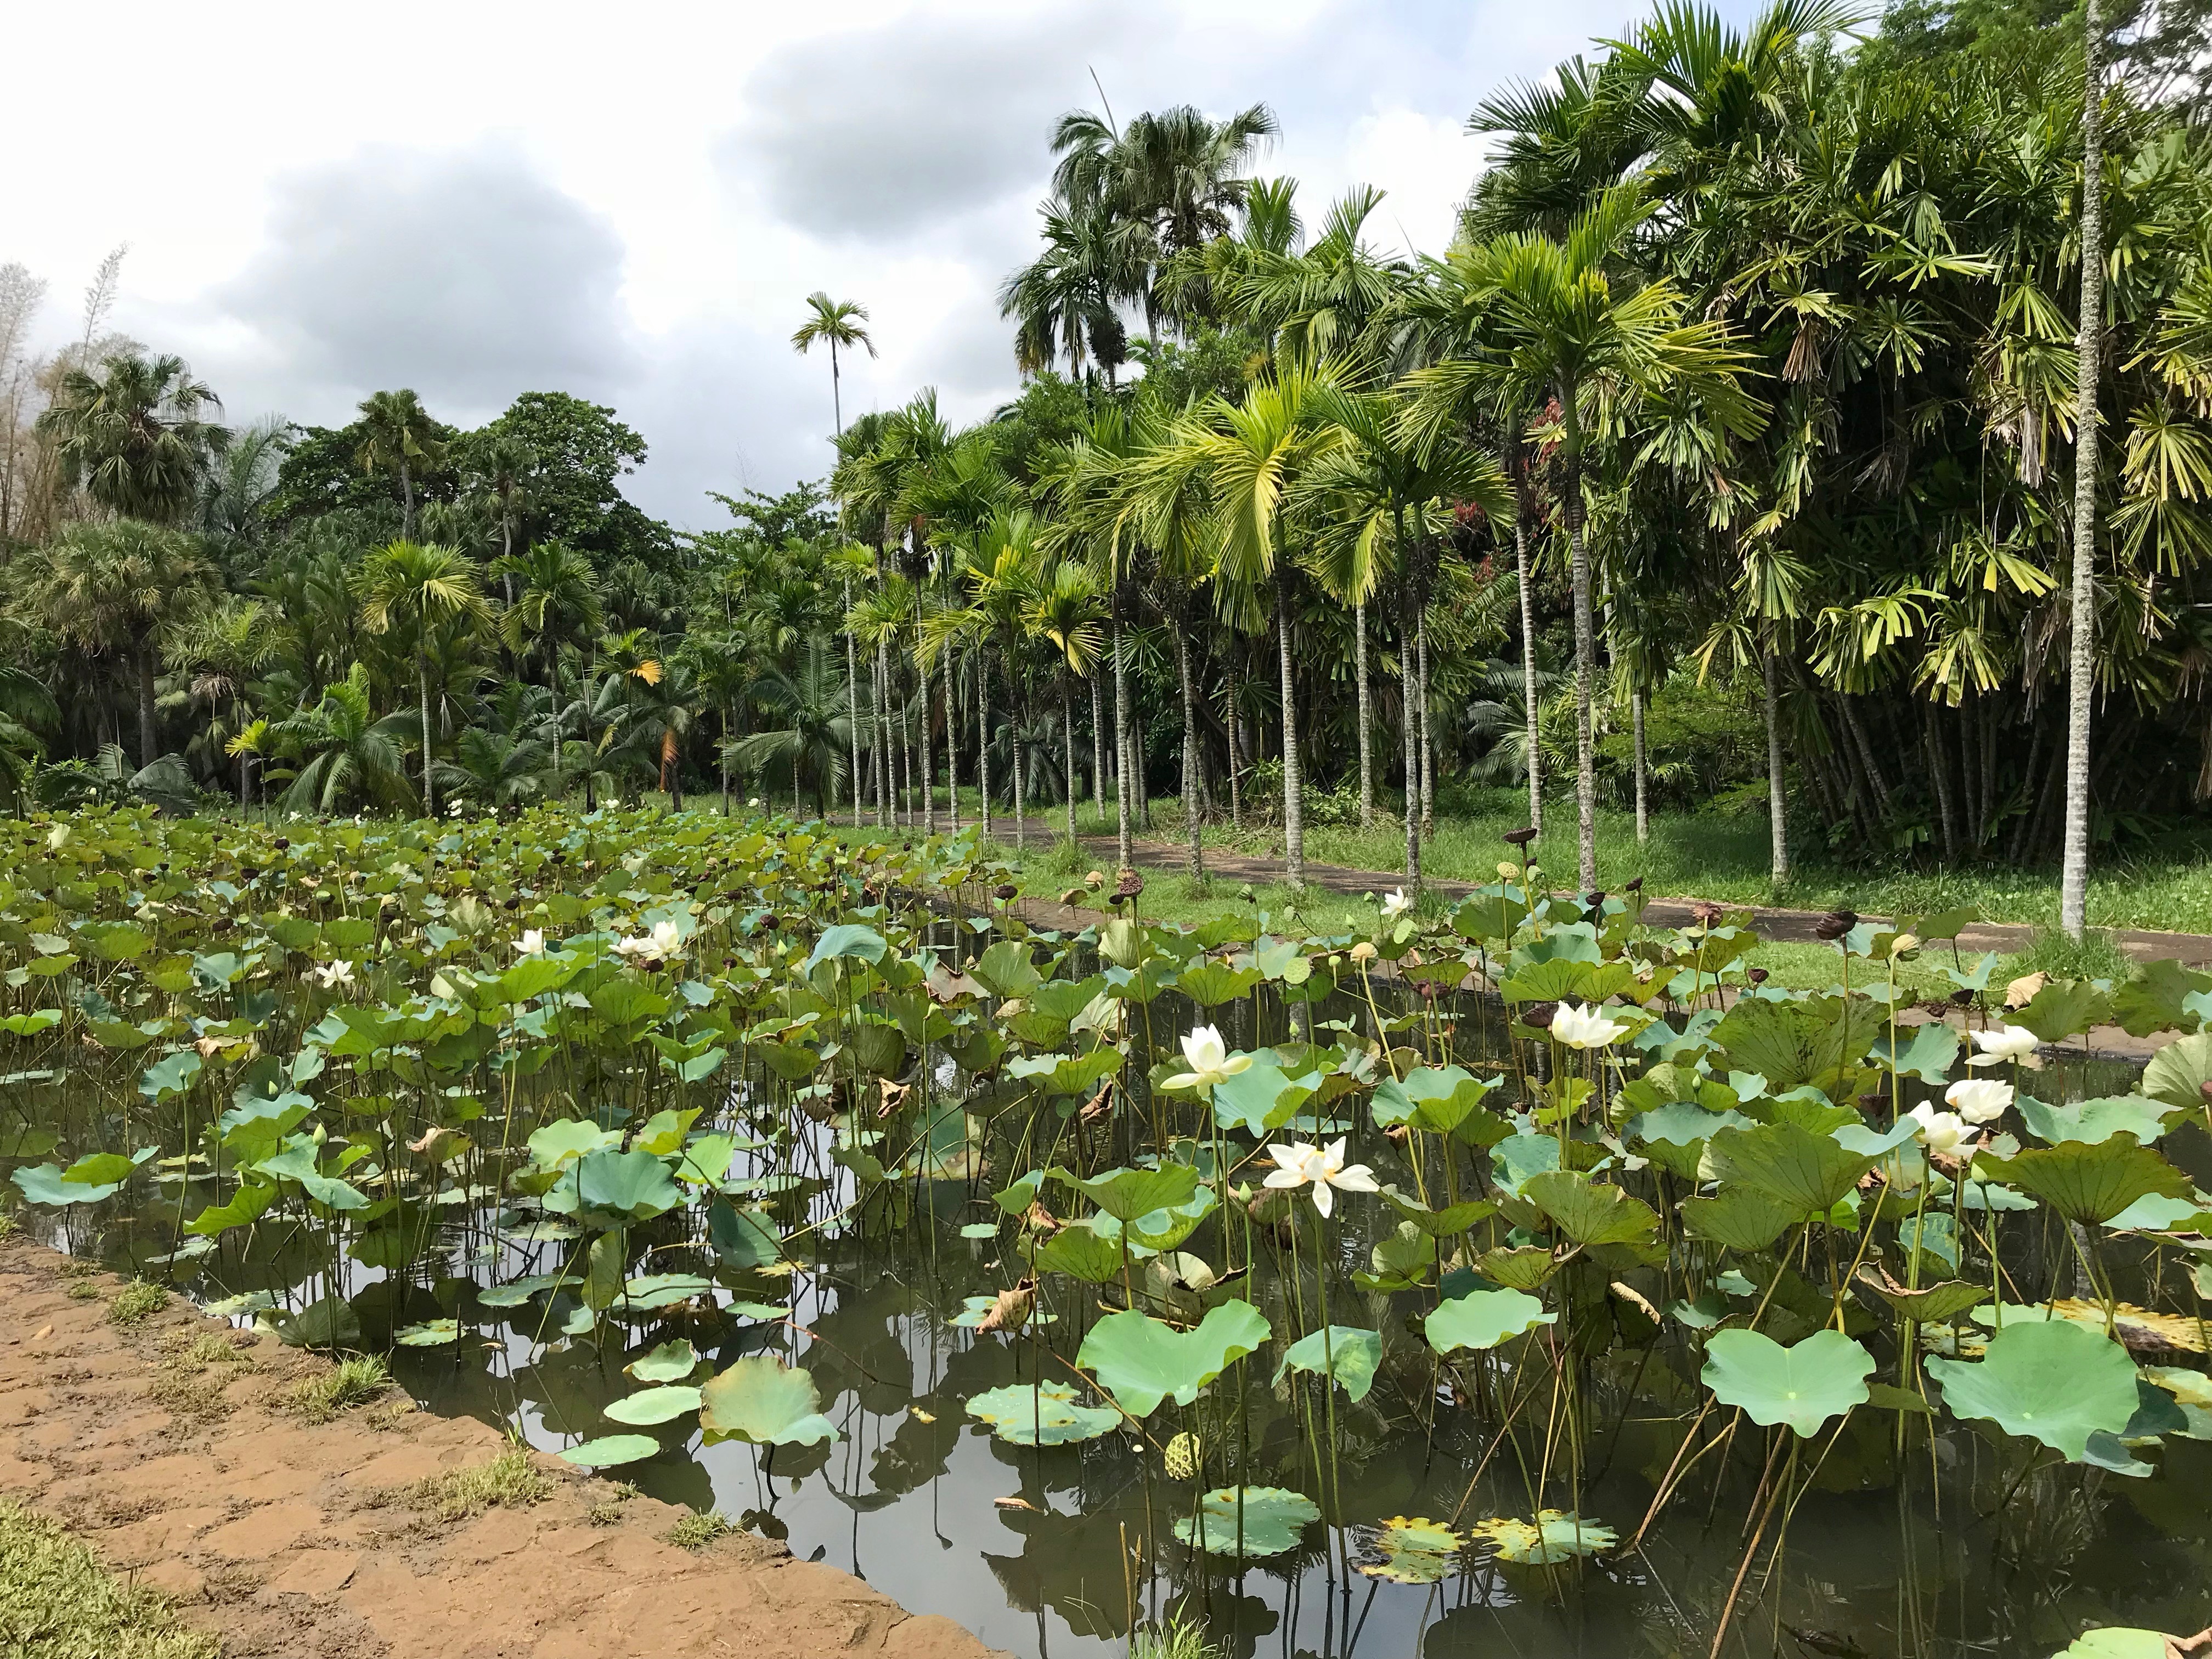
point(1643, 772)
point(983, 736)
point(1585, 673)
point(1528, 673)
point(1067, 730)
point(148, 734)
point(1294, 806)
point(2081, 668)
point(429, 792)
point(882, 735)
point(1099, 743)
point(1366, 713)
point(928, 742)
point(406, 497)
point(853, 702)
point(1777, 811)
point(1194, 856)
point(951, 744)
point(1123, 851)
point(1014, 728)
point(1421, 708)
point(1410, 744)
point(560, 719)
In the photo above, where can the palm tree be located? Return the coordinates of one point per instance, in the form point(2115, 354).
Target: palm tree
point(497, 763)
point(409, 588)
point(1564, 325)
point(1066, 612)
point(226, 643)
point(118, 586)
point(504, 465)
point(835, 323)
point(1063, 302)
point(2082, 663)
point(398, 435)
point(134, 437)
point(558, 603)
point(237, 486)
point(811, 736)
point(344, 753)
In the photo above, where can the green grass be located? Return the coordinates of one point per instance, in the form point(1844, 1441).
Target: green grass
point(1173, 1640)
point(509, 1481)
point(58, 1602)
point(2162, 884)
point(698, 1529)
point(136, 1303)
point(354, 1381)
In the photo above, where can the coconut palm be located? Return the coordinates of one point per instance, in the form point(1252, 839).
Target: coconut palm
point(399, 437)
point(833, 323)
point(117, 587)
point(134, 437)
point(411, 590)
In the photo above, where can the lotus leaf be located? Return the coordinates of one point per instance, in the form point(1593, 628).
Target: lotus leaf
point(1248, 1521)
point(1262, 1098)
point(1738, 1217)
point(1443, 1100)
point(1803, 1385)
point(1931, 1303)
point(671, 1361)
point(1345, 1353)
point(1555, 1536)
point(1130, 1194)
point(651, 1405)
point(1482, 1319)
point(1591, 1212)
point(1045, 1415)
point(1079, 1252)
point(2051, 1381)
point(611, 1451)
point(433, 1333)
point(1523, 1267)
point(1412, 1551)
point(328, 1323)
point(1141, 1360)
point(1438, 1224)
point(2087, 1181)
point(2177, 1073)
point(1790, 1043)
point(1806, 1174)
point(2063, 1008)
point(761, 1400)
point(850, 940)
point(2094, 1120)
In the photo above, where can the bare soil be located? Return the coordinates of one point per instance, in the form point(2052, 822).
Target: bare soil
point(289, 1537)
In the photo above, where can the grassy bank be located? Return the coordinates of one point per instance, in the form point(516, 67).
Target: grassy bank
point(56, 1601)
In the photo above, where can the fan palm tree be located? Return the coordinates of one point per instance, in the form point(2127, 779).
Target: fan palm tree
point(811, 733)
point(833, 323)
point(344, 753)
point(399, 437)
point(1567, 327)
point(411, 589)
point(117, 587)
point(134, 437)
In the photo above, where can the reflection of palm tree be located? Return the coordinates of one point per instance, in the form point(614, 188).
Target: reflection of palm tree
point(812, 736)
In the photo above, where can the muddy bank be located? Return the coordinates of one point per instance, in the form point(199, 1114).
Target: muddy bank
point(171, 1447)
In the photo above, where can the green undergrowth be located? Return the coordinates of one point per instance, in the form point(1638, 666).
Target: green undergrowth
point(510, 1481)
point(354, 1381)
point(698, 1529)
point(136, 1303)
point(57, 1601)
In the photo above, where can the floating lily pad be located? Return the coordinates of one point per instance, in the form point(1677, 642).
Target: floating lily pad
point(671, 1361)
point(432, 1333)
point(2051, 1381)
point(652, 1406)
point(1803, 1385)
point(761, 1400)
point(1046, 1415)
point(980, 1229)
point(1248, 1521)
point(1482, 1319)
point(1553, 1537)
point(1411, 1551)
point(609, 1450)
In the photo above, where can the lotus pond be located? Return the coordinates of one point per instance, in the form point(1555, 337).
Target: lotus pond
point(1526, 1280)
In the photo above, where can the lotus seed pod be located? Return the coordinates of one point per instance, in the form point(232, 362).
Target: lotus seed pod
point(1180, 1459)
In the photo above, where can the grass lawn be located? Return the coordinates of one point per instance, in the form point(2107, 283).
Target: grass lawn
point(2165, 884)
point(56, 1601)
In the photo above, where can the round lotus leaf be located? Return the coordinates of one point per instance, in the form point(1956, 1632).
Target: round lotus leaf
point(1412, 1551)
point(1345, 1353)
point(650, 1405)
point(1482, 1319)
point(671, 1361)
point(1047, 1415)
point(433, 1333)
point(1248, 1521)
point(2051, 1381)
point(1554, 1536)
point(612, 1449)
point(761, 1400)
point(1803, 1385)
point(2115, 1643)
point(1141, 1360)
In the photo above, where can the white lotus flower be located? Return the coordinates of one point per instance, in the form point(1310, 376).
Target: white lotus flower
point(1585, 1028)
point(667, 939)
point(531, 943)
point(1396, 905)
point(1945, 1133)
point(1978, 1099)
point(2014, 1043)
point(1300, 1163)
point(1209, 1060)
point(329, 973)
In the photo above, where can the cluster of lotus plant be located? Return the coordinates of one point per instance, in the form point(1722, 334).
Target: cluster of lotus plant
point(626, 1082)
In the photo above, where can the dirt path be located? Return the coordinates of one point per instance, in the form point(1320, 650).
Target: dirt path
point(1794, 926)
point(292, 1537)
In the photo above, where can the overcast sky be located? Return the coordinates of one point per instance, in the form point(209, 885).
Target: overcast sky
point(631, 203)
